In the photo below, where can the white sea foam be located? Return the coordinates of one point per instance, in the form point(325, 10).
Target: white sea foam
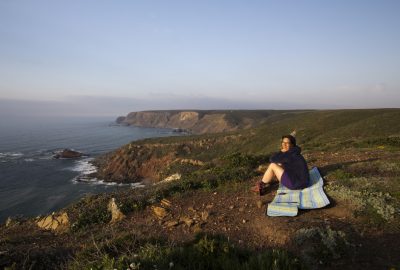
point(9, 156)
point(29, 159)
point(96, 181)
point(84, 166)
point(86, 169)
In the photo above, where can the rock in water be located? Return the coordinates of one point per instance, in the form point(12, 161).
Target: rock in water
point(116, 214)
point(68, 153)
point(59, 223)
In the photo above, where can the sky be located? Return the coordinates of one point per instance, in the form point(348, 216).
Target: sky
point(113, 57)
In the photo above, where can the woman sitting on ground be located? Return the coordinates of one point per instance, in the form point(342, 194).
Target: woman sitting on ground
point(288, 166)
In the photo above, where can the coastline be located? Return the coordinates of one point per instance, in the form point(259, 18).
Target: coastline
point(33, 183)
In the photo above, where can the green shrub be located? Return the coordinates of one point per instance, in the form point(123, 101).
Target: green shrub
point(183, 168)
point(90, 210)
point(321, 245)
point(391, 141)
point(366, 201)
point(238, 159)
point(205, 252)
point(131, 204)
point(340, 175)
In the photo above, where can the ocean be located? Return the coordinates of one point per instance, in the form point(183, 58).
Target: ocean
point(33, 183)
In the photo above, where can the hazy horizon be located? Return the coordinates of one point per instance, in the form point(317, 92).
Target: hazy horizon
point(101, 58)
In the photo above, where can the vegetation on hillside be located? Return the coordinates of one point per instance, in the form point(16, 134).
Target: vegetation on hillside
point(216, 223)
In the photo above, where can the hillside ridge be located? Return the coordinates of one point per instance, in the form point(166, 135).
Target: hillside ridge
point(147, 159)
point(198, 121)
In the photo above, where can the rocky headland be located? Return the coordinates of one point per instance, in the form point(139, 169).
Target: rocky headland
point(197, 121)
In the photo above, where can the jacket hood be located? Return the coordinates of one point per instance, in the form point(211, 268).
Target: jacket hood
point(295, 150)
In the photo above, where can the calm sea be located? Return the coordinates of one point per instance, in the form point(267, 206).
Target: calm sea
point(33, 183)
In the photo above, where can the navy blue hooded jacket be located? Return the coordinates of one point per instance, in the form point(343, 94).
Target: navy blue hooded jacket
point(294, 165)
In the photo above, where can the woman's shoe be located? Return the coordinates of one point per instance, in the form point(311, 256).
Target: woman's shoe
point(260, 188)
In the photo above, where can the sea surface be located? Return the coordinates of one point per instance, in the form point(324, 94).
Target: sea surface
point(33, 183)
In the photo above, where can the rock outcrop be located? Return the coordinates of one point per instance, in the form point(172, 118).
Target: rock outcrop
point(68, 153)
point(173, 177)
point(116, 214)
point(58, 223)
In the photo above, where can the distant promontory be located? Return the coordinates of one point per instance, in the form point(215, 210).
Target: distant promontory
point(197, 121)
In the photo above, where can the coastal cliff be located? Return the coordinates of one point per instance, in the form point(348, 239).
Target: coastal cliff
point(195, 121)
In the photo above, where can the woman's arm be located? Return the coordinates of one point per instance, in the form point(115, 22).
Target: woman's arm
point(280, 157)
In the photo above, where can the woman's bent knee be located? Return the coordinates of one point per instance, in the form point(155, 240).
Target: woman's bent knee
point(274, 165)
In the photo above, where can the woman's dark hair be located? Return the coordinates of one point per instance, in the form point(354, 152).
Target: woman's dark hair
point(291, 139)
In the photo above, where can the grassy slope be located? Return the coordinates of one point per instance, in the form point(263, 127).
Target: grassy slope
point(360, 165)
point(315, 129)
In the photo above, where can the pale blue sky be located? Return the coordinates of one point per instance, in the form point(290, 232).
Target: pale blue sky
point(138, 55)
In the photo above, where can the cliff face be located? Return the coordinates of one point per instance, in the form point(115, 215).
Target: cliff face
point(133, 163)
point(197, 122)
point(141, 161)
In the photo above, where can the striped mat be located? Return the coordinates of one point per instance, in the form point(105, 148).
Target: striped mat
point(287, 201)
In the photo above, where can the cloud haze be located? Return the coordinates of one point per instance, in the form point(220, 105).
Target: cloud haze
point(112, 57)
point(115, 106)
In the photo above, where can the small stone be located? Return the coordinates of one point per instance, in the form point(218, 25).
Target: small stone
point(166, 203)
point(205, 215)
point(259, 204)
point(244, 221)
point(160, 212)
point(188, 221)
point(241, 209)
point(231, 207)
point(197, 228)
point(170, 224)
